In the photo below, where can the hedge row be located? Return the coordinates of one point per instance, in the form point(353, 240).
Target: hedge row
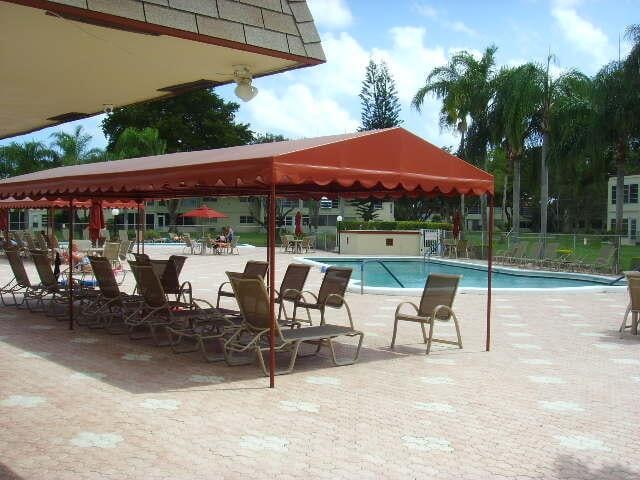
point(399, 225)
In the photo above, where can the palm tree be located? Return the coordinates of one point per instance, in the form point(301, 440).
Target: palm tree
point(512, 122)
point(448, 84)
point(133, 142)
point(73, 148)
point(549, 95)
point(616, 107)
point(20, 158)
point(465, 86)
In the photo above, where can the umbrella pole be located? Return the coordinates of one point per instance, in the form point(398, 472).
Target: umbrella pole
point(70, 247)
point(272, 284)
point(489, 270)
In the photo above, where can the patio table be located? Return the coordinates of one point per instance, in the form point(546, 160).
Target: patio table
point(297, 245)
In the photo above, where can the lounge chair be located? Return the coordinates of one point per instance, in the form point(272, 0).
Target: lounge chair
point(252, 268)
point(253, 334)
point(519, 253)
point(462, 248)
point(509, 252)
point(532, 253)
point(111, 304)
point(436, 305)
point(331, 295)
point(157, 313)
point(633, 282)
point(604, 261)
point(550, 256)
point(111, 251)
point(291, 288)
point(49, 289)
point(123, 249)
point(20, 284)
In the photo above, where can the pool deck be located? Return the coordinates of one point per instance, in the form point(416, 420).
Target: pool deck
point(556, 398)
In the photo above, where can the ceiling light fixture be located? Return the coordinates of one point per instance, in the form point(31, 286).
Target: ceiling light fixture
point(244, 90)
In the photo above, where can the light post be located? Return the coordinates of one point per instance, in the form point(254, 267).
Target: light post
point(114, 213)
point(338, 220)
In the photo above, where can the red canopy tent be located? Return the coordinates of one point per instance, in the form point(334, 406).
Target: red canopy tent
point(380, 163)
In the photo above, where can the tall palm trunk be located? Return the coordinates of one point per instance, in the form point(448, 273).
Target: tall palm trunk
point(504, 200)
point(544, 183)
point(621, 158)
point(516, 195)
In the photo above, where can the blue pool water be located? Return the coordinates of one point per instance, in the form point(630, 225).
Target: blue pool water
point(409, 273)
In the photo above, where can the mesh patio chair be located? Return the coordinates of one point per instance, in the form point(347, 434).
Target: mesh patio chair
point(252, 267)
point(190, 246)
point(233, 246)
point(285, 241)
point(331, 295)
point(252, 336)
point(633, 287)
point(291, 288)
point(436, 305)
point(20, 284)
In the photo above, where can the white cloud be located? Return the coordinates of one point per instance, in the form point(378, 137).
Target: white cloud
point(584, 35)
point(331, 14)
point(299, 112)
point(426, 10)
point(461, 27)
point(324, 99)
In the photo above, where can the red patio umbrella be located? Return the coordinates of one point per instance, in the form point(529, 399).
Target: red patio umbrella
point(4, 220)
point(204, 212)
point(298, 224)
point(96, 220)
point(457, 224)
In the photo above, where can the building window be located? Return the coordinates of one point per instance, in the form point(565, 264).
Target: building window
point(633, 193)
point(326, 203)
point(613, 194)
point(377, 204)
point(389, 242)
point(632, 229)
point(625, 194)
point(327, 220)
point(246, 219)
point(288, 221)
point(287, 203)
point(209, 199)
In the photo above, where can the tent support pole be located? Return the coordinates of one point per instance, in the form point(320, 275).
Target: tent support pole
point(72, 214)
point(138, 229)
point(272, 284)
point(144, 223)
point(489, 269)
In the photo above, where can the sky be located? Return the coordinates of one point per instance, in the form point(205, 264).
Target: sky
point(413, 37)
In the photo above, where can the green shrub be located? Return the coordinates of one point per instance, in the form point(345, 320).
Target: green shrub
point(399, 225)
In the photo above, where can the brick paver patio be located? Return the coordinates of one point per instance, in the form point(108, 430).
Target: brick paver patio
point(557, 398)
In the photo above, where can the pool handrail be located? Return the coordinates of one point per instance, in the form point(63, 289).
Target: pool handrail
point(367, 260)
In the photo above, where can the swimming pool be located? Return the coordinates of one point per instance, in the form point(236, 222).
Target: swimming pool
point(410, 274)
